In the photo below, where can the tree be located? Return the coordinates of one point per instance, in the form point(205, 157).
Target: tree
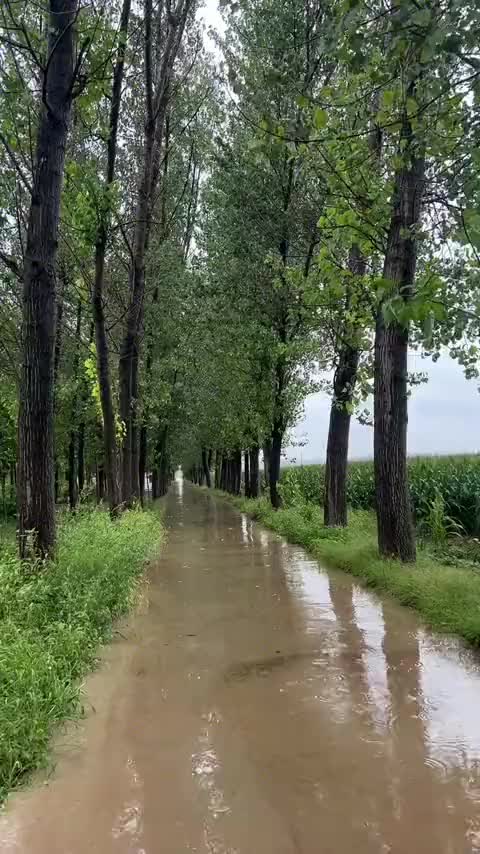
point(274, 200)
point(36, 431)
point(158, 67)
point(101, 340)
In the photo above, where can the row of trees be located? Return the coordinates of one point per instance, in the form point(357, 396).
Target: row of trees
point(199, 246)
point(340, 226)
point(104, 117)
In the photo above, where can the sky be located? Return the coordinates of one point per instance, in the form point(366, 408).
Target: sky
point(444, 413)
point(211, 15)
point(443, 418)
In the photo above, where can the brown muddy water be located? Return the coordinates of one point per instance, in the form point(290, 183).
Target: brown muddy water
point(257, 705)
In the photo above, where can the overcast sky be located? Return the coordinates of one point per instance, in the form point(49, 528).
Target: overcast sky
point(211, 15)
point(444, 417)
point(444, 414)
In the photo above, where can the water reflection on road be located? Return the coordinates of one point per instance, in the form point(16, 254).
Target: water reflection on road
point(261, 706)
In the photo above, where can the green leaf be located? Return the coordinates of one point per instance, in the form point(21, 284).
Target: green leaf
point(303, 101)
point(427, 53)
point(421, 17)
point(388, 98)
point(428, 325)
point(320, 118)
point(412, 106)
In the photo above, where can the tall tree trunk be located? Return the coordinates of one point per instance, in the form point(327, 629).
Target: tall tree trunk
point(279, 422)
point(100, 481)
point(36, 496)
point(101, 340)
point(72, 472)
point(81, 456)
point(84, 393)
point(135, 433)
point(274, 466)
point(223, 474)
point(218, 469)
point(335, 502)
point(72, 469)
point(12, 482)
point(254, 471)
point(246, 457)
point(4, 494)
point(267, 450)
point(237, 472)
point(206, 468)
point(396, 537)
point(150, 344)
point(154, 484)
point(164, 473)
point(56, 368)
point(160, 463)
point(142, 462)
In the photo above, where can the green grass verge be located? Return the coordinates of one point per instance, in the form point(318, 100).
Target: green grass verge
point(448, 597)
point(52, 621)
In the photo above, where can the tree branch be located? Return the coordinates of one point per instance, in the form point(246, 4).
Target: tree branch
point(11, 264)
point(13, 159)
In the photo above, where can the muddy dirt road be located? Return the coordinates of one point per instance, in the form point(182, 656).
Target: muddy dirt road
point(259, 706)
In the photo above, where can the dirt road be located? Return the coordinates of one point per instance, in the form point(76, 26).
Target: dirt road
point(257, 705)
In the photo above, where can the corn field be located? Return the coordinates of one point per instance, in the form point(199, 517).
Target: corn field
point(455, 479)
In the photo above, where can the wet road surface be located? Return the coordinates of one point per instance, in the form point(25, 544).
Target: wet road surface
point(257, 705)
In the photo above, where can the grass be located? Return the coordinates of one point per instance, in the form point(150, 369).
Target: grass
point(447, 597)
point(52, 621)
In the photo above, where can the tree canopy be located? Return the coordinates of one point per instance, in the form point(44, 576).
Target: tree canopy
point(195, 235)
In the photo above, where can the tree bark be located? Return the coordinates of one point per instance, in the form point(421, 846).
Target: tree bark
point(396, 537)
point(72, 469)
point(56, 367)
point(143, 456)
point(267, 449)
point(100, 481)
point(237, 472)
point(218, 469)
point(159, 482)
point(254, 471)
point(223, 474)
point(154, 484)
point(4, 494)
point(142, 462)
point(36, 416)
point(101, 340)
point(81, 456)
point(246, 457)
point(72, 472)
point(335, 501)
point(274, 466)
point(84, 392)
point(164, 470)
point(12, 481)
point(206, 468)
